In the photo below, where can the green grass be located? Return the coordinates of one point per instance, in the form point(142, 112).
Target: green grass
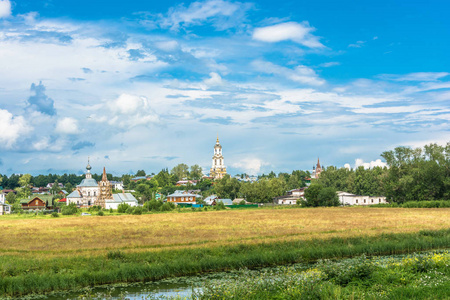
point(421, 276)
point(22, 275)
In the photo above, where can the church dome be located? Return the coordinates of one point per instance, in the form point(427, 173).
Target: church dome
point(88, 182)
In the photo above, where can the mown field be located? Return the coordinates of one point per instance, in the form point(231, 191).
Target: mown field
point(95, 235)
point(42, 254)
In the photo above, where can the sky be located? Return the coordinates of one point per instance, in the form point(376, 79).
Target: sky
point(150, 84)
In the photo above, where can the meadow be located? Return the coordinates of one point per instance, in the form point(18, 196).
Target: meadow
point(42, 254)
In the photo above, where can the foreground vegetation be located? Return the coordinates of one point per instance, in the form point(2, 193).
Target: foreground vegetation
point(419, 276)
point(54, 254)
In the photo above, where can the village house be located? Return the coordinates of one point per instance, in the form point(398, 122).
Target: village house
point(117, 185)
point(120, 198)
point(5, 209)
point(352, 199)
point(37, 202)
point(186, 182)
point(183, 197)
point(291, 197)
point(213, 200)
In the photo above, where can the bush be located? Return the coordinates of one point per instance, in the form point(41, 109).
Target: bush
point(54, 214)
point(70, 209)
point(153, 205)
point(130, 210)
point(219, 206)
point(242, 202)
point(111, 210)
point(100, 213)
point(168, 206)
point(122, 208)
point(137, 210)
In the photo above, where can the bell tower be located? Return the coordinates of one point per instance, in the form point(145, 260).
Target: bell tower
point(105, 191)
point(218, 169)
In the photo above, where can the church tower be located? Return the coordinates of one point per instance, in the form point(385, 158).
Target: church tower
point(218, 169)
point(318, 169)
point(105, 191)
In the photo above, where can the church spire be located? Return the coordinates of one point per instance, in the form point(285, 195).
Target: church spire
point(217, 141)
point(104, 178)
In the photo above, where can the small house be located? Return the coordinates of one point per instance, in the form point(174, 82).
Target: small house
point(352, 199)
point(37, 202)
point(183, 197)
point(120, 198)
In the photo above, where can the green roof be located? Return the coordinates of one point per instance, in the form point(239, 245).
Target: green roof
point(44, 197)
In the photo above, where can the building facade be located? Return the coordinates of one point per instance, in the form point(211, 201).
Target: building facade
point(87, 192)
point(105, 190)
point(316, 170)
point(218, 169)
point(183, 197)
point(352, 199)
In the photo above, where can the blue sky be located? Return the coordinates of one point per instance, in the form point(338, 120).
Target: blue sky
point(149, 84)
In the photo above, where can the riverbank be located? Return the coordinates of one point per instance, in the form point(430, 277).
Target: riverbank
point(25, 275)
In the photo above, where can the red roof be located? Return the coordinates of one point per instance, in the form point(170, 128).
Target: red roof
point(63, 200)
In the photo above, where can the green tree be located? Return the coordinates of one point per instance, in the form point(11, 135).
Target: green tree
point(24, 190)
point(196, 172)
point(227, 187)
point(140, 173)
point(180, 171)
point(55, 189)
point(10, 198)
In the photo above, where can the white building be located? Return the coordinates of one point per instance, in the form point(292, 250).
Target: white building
point(117, 185)
point(218, 169)
point(291, 198)
point(352, 199)
point(119, 199)
point(86, 192)
point(4, 208)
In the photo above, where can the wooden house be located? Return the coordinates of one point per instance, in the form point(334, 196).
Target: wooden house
point(37, 202)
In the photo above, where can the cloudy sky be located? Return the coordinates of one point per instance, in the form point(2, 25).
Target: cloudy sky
point(149, 84)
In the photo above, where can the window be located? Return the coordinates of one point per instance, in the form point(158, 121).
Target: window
point(372, 200)
point(182, 198)
point(379, 200)
point(364, 200)
point(89, 193)
point(356, 201)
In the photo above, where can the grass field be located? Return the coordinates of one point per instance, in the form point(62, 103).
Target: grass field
point(94, 234)
point(42, 254)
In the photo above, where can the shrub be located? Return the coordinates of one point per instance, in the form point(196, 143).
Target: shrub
point(153, 205)
point(137, 210)
point(111, 210)
point(219, 206)
point(100, 213)
point(168, 206)
point(122, 208)
point(130, 210)
point(242, 202)
point(70, 209)
point(54, 214)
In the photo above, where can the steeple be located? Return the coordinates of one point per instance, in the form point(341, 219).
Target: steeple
point(217, 141)
point(318, 163)
point(104, 178)
point(88, 172)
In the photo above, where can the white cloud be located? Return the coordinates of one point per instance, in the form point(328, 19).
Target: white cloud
point(358, 44)
point(5, 8)
point(67, 126)
point(330, 64)
point(167, 46)
point(201, 11)
point(11, 128)
point(301, 74)
point(419, 76)
point(251, 166)
point(297, 32)
point(368, 165)
point(214, 80)
point(129, 111)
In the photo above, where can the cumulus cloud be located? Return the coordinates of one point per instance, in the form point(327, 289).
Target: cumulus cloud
point(5, 8)
point(301, 74)
point(40, 101)
point(367, 165)
point(358, 44)
point(297, 32)
point(130, 111)
point(11, 128)
point(67, 126)
point(250, 165)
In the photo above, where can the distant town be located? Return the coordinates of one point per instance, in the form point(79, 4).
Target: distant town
point(186, 186)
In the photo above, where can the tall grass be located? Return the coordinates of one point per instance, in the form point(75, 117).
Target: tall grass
point(21, 275)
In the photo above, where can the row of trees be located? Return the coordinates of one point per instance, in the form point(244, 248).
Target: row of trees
point(411, 175)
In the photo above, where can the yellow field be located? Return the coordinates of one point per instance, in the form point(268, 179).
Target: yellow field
point(94, 235)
